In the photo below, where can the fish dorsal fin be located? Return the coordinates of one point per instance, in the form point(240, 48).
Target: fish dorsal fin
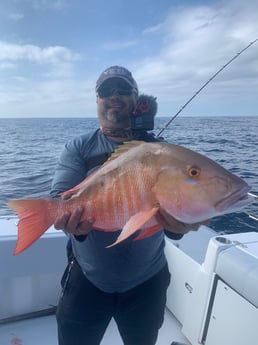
point(125, 147)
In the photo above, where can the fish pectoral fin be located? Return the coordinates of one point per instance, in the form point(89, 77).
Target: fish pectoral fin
point(81, 186)
point(135, 223)
point(69, 193)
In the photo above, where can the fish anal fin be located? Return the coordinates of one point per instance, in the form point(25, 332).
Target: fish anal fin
point(135, 223)
point(145, 233)
point(34, 219)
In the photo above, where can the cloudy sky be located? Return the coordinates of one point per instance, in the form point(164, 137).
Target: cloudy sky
point(52, 52)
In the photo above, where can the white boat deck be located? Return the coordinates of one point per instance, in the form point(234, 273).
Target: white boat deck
point(42, 331)
point(212, 298)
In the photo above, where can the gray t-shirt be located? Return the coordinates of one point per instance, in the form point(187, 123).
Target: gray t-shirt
point(126, 265)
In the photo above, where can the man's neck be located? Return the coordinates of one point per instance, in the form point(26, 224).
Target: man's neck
point(117, 133)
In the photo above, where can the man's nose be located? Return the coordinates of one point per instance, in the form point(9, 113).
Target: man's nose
point(115, 92)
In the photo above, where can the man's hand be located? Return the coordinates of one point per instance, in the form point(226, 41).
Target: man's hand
point(70, 222)
point(173, 225)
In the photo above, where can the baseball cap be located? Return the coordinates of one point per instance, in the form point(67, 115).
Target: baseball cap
point(116, 72)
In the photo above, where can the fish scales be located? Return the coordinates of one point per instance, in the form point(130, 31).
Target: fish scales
point(118, 199)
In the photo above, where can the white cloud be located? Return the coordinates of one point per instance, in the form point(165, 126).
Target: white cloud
point(153, 29)
point(48, 98)
point(182, 53)
point(7, 66)
point(32, 88)
point(196, 42)
point(119, 45)
point(57, 5)
point(16, 16)
point(14, 52)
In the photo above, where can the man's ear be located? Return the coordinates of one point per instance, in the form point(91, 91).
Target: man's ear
point(135, 97)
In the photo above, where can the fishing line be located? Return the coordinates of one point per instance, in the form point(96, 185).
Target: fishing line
point(204, 85)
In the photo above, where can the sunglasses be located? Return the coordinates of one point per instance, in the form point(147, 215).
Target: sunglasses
point(108, 91)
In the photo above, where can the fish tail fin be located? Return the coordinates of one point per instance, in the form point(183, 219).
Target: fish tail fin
point(35, 217)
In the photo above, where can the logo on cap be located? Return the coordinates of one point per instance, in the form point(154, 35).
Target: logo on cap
point(116, 70)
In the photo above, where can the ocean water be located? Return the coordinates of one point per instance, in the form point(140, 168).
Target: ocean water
point(30, 148)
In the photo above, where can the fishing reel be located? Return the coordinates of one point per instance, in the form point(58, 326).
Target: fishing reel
point(142, 117)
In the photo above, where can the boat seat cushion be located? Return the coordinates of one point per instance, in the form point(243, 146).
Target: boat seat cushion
point(239, 270)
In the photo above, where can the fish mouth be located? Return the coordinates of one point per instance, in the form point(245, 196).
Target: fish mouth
point(235, 201)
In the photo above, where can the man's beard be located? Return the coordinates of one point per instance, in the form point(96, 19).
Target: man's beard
point(115, 117)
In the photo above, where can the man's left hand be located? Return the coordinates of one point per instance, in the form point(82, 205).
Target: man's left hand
point(171, 224)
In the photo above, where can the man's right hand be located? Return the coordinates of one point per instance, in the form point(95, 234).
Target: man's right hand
point(71, 222)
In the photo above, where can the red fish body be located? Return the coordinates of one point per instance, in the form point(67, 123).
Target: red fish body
point(131, 187)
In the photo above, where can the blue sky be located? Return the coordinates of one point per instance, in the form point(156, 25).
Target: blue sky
point(52, 52)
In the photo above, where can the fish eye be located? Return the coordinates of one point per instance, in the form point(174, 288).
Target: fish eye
point(194, 172)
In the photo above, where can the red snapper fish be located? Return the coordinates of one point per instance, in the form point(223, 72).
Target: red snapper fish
point(132, 186)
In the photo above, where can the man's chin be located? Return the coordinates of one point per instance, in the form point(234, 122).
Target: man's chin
point(116, 117)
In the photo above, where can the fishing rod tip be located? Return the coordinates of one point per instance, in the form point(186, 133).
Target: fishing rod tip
point(253, 195)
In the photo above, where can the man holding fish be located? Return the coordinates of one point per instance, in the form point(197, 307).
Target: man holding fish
point(117, 217)
point(127, 282)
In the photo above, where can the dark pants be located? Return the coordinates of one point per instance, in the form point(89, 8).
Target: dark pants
point(84, 311)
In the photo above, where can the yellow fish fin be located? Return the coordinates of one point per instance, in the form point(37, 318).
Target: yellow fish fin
point(126, 146)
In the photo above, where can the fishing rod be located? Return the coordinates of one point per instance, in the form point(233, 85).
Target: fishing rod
point(253, 195)
point(204, 85)
point(251, 215)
